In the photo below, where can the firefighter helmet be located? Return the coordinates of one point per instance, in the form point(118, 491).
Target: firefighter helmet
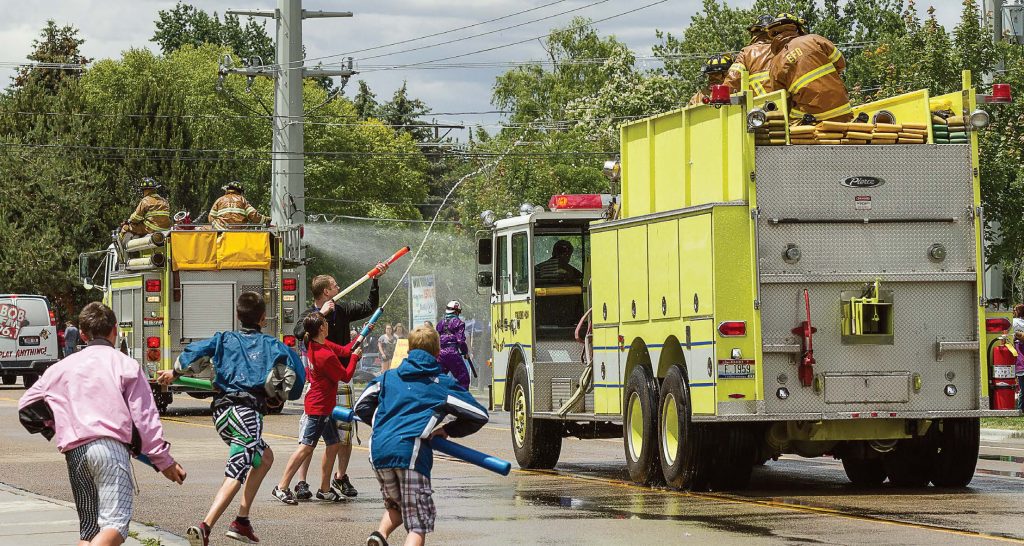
point(234, 185)
point(760, 24)
point(453, 307)
point(149, 183)
point(788, 19)
point(717, 64)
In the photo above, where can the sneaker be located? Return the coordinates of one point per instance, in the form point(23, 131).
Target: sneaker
point(332, 495)
point(242, 532)
point(284, 495)
point(344, 486)
point(376, 539)
point(198, 535)
point(302, 491)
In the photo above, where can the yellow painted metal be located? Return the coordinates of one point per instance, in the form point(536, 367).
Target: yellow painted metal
point(635, 431)
point(607, 388)
point(663, 264)
point(703, 393)
point(695, 265)
point(906, 108)
point(969, 103)
point(633, 276)
point(852, 429)
point(558, 291)
point(683, 158)
point(604, 280)
point(735, 288)
point(669, 428)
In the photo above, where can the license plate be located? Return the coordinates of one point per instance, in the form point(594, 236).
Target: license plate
point(29, 341)
point(1003, 372)
point(735, 368)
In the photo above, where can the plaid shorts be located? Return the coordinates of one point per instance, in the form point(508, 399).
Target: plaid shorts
point(409, 492)
point(345, 430)
point(101, 482)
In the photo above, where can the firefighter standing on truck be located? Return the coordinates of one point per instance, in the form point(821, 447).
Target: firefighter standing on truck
point(233, 209)
point(715, 70)
point(153, 213)
point(755, 58)
point(808, 67)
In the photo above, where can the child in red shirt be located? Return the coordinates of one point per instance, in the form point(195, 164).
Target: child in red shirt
point(323, 373)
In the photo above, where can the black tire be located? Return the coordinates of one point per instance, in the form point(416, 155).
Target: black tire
point(640, 428)
point(864, 472)
point(957, 445)
point(30, 379)
point(537, 442)
point(680, 441)
point(733, 450)
point(10, 379)
point(910, 464)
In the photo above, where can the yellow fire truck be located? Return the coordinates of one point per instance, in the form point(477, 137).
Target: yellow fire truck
point(174, 287)
point(751, 300)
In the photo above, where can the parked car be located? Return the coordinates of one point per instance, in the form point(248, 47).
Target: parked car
point(28, 337)
point(367, 369)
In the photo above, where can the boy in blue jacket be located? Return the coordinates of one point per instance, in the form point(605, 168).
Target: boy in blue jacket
point(250, 367)
point(404, 405)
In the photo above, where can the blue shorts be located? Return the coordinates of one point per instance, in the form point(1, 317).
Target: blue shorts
point(314, 427)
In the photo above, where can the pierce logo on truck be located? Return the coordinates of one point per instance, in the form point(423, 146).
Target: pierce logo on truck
point(863, 182)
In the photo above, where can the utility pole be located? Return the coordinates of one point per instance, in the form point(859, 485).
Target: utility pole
point(288, 190)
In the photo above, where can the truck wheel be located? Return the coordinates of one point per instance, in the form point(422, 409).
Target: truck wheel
point(30, 379)
point(958, 443)
point(731, 456)
point(536, 442)
point(640, 429)
point(10, 379)
point(910, 464)
point(681, 441)
point(864, 472)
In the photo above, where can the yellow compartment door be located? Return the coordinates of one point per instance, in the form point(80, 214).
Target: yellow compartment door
point(605, 276)
point(695, 271)
point(663, 264)
point(633, 292)
point(607, 371)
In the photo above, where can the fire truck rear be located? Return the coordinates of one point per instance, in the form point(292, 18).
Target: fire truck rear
point(174, 287)
point(749, 301)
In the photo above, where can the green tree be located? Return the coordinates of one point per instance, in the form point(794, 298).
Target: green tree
point(185, 24)
point(365, 102)
point(403, 112)
point(55, 44)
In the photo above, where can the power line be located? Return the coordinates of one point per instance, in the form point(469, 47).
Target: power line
point(365, 202)
point(333, 218)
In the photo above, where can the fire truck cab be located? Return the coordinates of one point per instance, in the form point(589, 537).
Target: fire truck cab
point(174, 287)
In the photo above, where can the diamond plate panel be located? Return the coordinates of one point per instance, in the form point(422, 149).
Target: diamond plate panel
point(558, 351)
point(545, 374)
point(924, 313)
point(805, 182)
point(867, 388)
point(852, 248)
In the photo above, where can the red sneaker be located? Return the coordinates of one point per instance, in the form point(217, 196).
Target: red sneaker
point(198, 535)
point(242, 532)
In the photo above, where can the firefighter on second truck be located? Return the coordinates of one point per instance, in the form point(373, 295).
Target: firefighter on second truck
point(152, 214)
point(715, 69)
point(808, 67)
point(233, 209)
point(755, 58)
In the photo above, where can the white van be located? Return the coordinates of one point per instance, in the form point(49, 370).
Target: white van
point(28, 337)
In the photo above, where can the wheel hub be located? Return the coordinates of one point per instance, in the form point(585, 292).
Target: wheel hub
point(519, 416)
point(635, 430)
point(669, 429)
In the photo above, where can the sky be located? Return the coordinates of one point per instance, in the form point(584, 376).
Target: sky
point(112, 26)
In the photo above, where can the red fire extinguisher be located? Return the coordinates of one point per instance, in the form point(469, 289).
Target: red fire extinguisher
point(1002, 376)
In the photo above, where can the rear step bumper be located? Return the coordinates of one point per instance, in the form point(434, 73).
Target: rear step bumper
point(841, 416)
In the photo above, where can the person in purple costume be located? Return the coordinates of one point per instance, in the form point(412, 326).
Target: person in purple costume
point(453, 344)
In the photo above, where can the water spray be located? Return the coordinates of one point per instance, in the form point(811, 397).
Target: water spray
point(372, 274)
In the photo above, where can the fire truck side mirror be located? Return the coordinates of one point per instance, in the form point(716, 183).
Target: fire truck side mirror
point(484, 279)
point(484, 251)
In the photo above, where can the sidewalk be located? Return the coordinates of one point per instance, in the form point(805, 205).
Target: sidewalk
point(27, 519)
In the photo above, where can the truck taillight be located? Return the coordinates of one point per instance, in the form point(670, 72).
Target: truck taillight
point(53, 318)
point(290, 285)
point(585, 201)
point(153, 355)
point(153, 285)
point(994, 325)
point(153, 342)
point(290, 341)
point(733, 328)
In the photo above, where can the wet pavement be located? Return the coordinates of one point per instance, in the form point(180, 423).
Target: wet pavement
point(587, 499)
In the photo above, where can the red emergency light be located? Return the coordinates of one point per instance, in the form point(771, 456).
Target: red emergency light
point(290, 341)
point(733, 328)
point(994, 325)
point(153, 342)
point(1001, 92)
point(720, 95)
point(153, 285)
point(580, 201)
point(290, 284)
point(153, 355)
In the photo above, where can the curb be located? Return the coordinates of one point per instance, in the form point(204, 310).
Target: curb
point(142, 532)
point(1000, 434)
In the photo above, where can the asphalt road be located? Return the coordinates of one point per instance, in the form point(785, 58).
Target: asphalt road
point(587, 499)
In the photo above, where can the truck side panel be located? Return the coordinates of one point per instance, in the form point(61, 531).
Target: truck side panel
point(633, 276)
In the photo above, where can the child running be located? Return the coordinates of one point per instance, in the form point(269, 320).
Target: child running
point(324, 372)
point(98, 402)
point(404, 406)
point(250, 366)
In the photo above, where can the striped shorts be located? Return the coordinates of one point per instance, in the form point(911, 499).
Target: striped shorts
point(241, 428)
point(101, 482)
point(409, 492)
point(346, 430)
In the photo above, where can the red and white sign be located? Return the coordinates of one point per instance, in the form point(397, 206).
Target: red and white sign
point(11, 317)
